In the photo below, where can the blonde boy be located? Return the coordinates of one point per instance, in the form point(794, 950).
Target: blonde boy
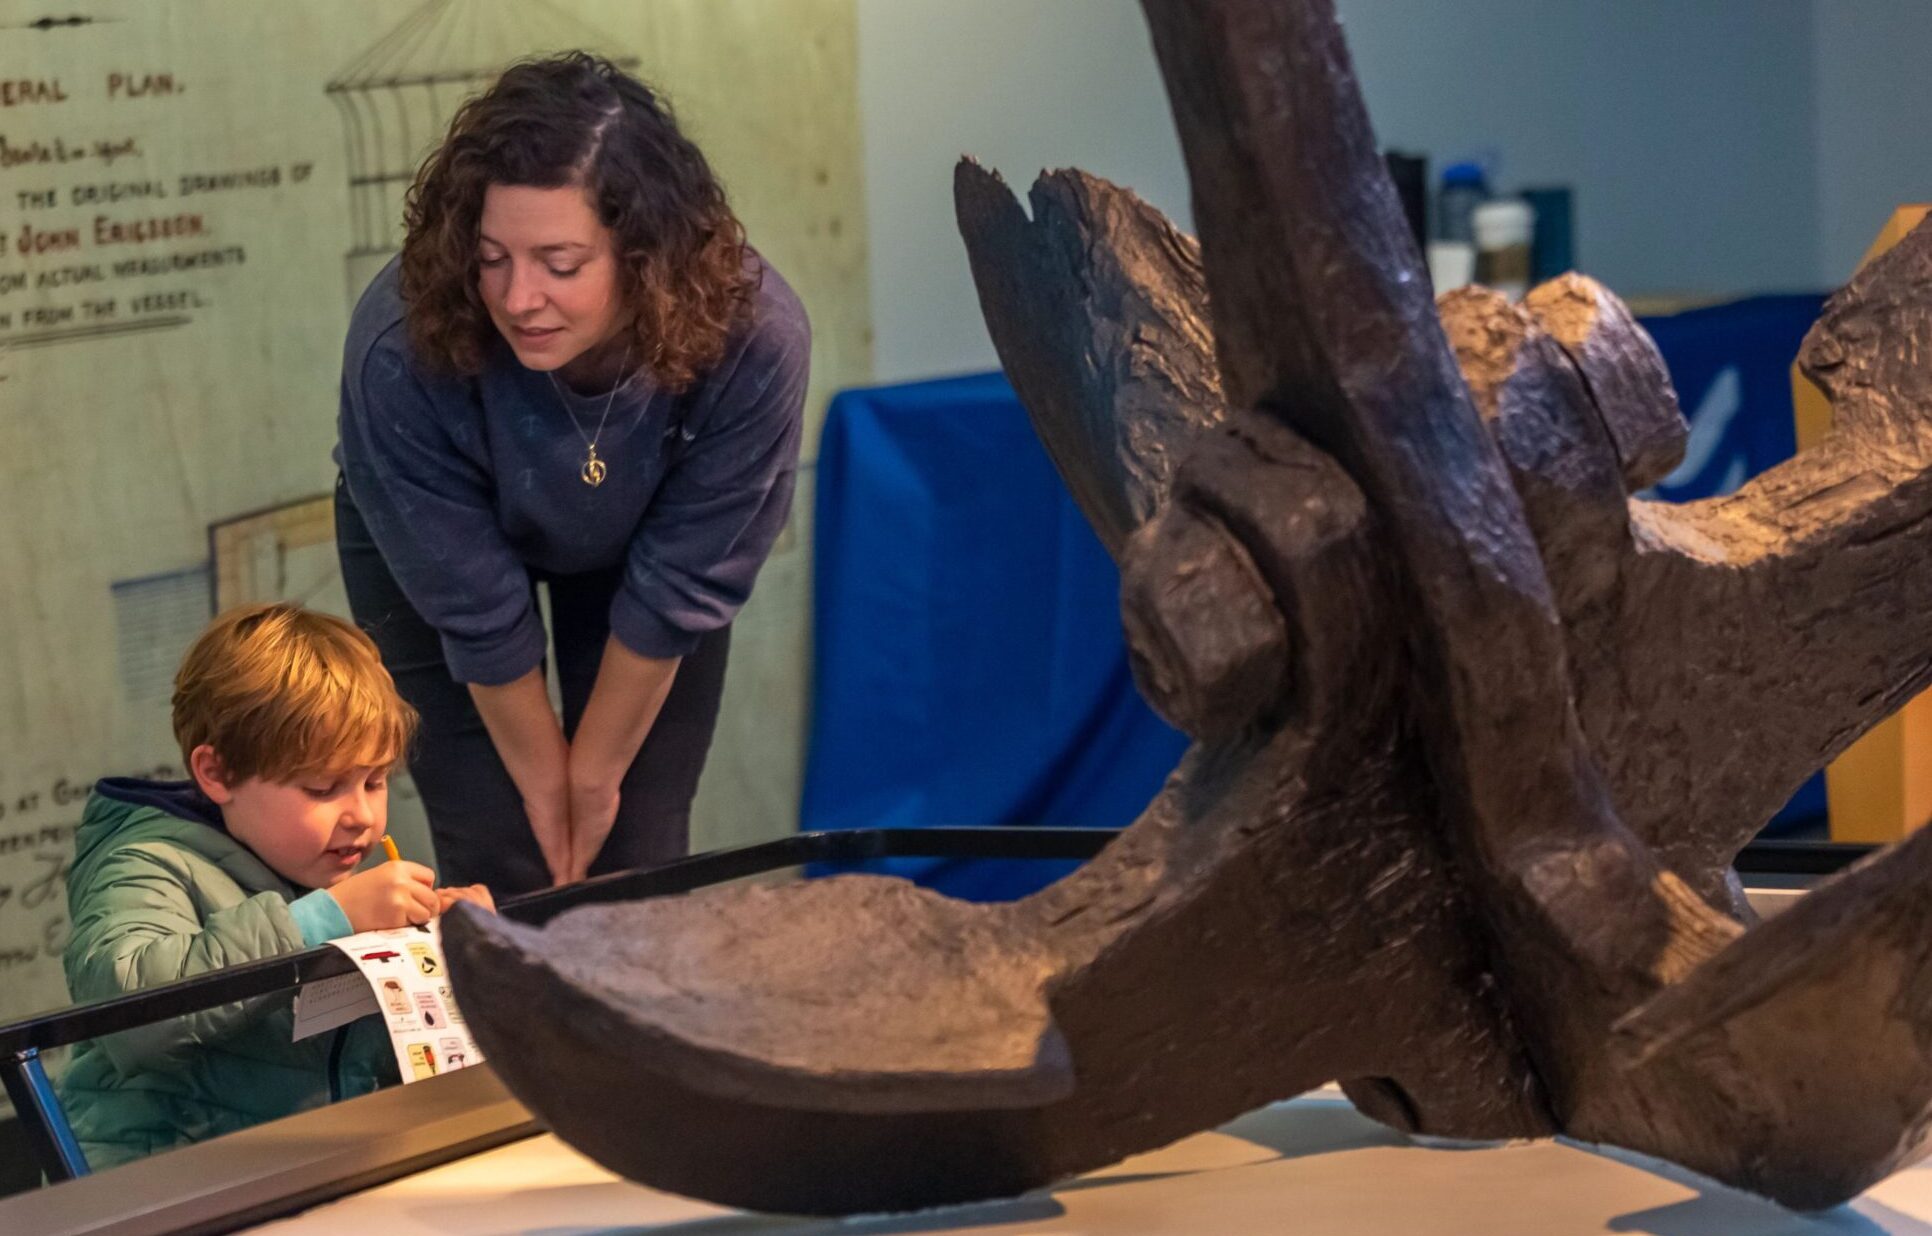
point(289, 726)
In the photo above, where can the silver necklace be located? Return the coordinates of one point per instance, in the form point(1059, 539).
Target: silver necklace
point(593, 470)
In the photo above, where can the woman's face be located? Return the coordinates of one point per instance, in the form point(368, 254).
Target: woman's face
point(547, 273)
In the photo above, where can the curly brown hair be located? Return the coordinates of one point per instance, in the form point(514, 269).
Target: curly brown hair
point(577, 119)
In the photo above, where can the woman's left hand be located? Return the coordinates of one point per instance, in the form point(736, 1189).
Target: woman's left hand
point(593, 809)
point(623, 707)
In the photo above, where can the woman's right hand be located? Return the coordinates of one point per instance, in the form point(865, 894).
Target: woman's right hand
point(528, 737)
point(387, 895)
point(549, 818)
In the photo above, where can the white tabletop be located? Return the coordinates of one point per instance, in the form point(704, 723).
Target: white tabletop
point(1312, 1167)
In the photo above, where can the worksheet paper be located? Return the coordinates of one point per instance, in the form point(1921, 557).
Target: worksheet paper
point(402, 977)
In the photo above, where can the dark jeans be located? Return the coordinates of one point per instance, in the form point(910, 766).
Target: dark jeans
point(475, 811)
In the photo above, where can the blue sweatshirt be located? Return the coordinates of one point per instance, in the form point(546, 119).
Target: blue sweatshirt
point(469, 483)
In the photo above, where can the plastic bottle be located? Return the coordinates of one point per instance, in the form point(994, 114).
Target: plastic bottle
point(1505, 226)
point(1463, 189)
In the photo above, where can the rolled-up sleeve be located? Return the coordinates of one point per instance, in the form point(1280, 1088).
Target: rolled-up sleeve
point(715, 517)
point(428, 507)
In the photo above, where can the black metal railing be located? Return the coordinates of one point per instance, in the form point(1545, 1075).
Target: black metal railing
point(1812, 858)
point(60, 1158)
point(22, 1042)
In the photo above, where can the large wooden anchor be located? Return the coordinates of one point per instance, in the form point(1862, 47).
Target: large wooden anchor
point(1478, 735)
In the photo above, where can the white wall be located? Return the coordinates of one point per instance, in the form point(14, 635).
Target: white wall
point(1873, 121)
point(1021, 85)
point(1686, 127)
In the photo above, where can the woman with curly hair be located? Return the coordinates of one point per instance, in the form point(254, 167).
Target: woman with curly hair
point(577, 373)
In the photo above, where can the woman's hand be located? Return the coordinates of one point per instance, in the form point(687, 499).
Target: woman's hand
point(550, 821)
point(388, 895)
point(593, 809)
point(530, 741)
point(623, 706)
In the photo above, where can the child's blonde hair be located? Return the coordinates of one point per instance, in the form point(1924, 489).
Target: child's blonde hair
point(281, 692)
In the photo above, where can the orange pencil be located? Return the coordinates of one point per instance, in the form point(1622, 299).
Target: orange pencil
point(389, 848)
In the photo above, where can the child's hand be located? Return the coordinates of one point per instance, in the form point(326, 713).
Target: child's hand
point(475, 894)
point(388, 895)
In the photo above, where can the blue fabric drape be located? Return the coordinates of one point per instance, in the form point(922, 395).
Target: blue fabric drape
point(969, 663)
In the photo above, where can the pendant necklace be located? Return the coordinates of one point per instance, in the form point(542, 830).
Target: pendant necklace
point(593, 470)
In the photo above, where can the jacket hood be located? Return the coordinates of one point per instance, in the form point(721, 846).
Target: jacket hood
point(119, 802)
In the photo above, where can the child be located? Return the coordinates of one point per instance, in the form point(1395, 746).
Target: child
point(288, 726)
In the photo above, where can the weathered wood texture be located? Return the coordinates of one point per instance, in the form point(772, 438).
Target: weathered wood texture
point(1478, 734)
point(1122, 325)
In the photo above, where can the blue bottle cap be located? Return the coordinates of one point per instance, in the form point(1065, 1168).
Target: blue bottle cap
point(1463, 174)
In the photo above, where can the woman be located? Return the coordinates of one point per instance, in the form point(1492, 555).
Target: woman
point(577, 372)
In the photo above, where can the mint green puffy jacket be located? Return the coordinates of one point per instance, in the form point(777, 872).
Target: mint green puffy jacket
point(160, 892)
